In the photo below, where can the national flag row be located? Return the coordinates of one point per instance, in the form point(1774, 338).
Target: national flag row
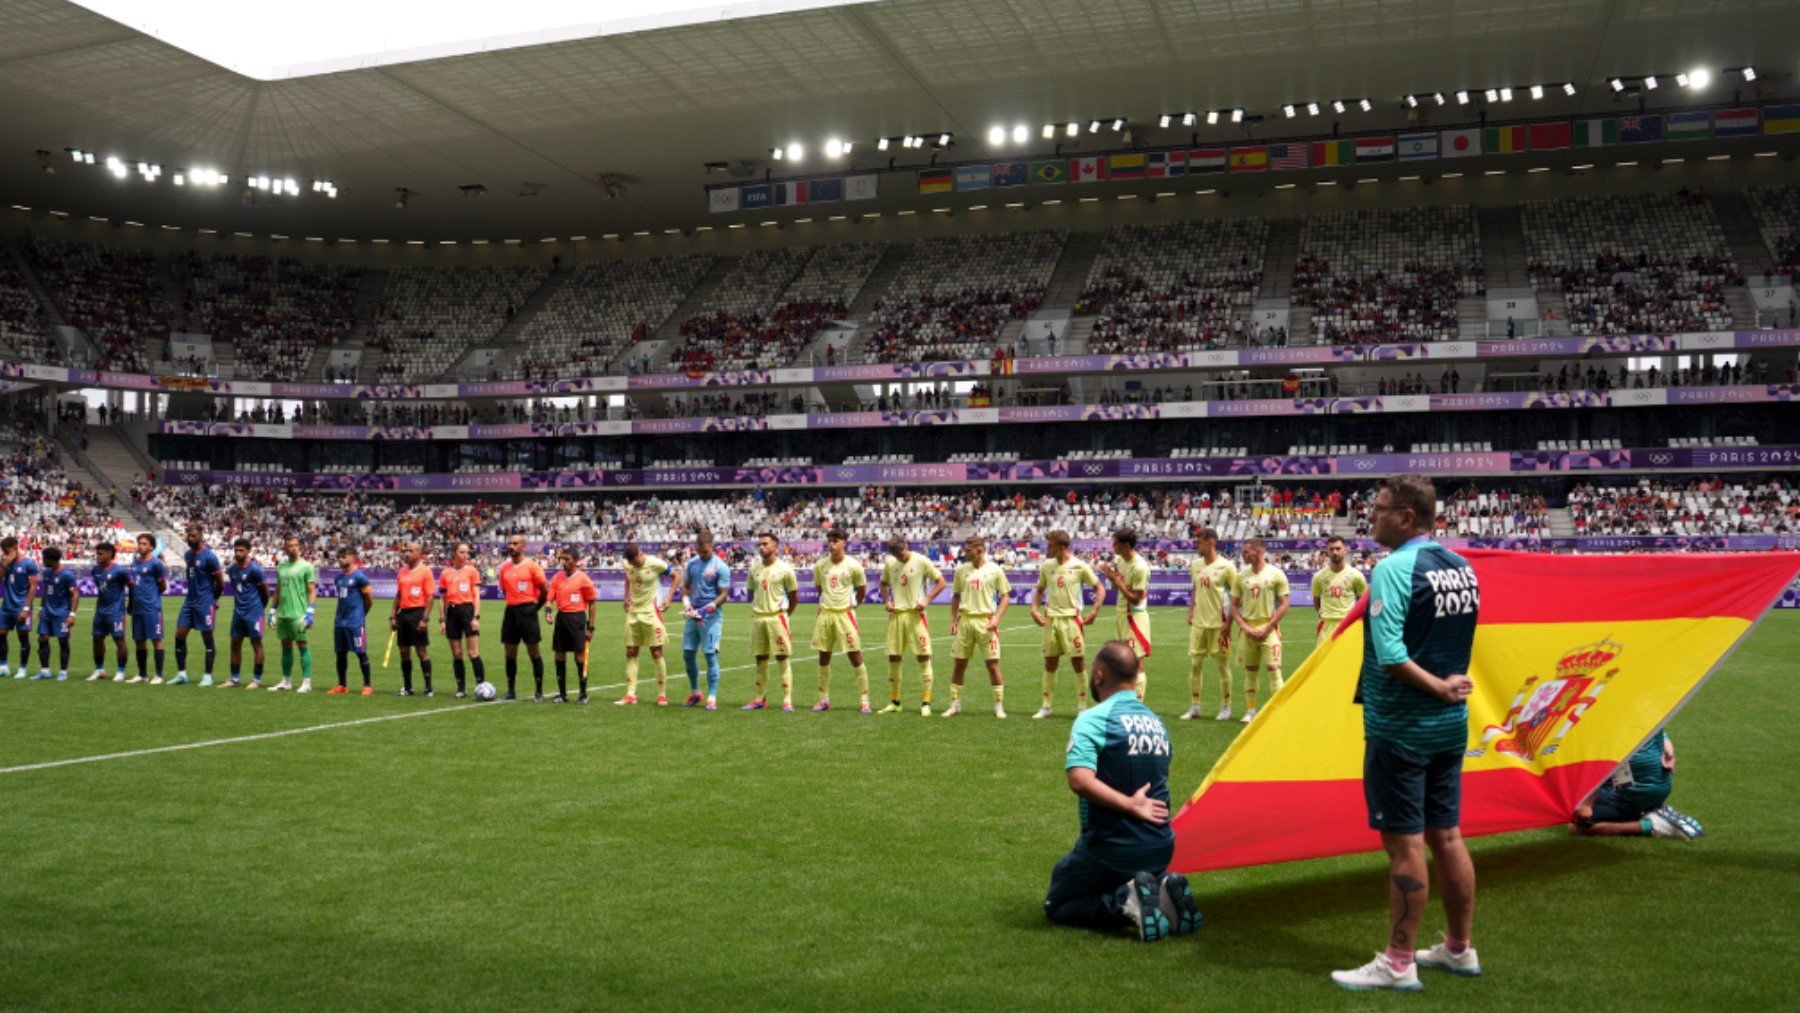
point(822, 190)
point(1464, 143)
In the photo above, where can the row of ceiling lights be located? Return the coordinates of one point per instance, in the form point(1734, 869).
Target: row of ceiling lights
point(836, 147)
point(203, 177)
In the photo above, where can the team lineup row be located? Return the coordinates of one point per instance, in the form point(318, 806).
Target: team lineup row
point(1231, 607)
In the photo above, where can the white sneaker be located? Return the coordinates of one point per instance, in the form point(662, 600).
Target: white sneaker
point(1440, 957)
point(134, 680)
point(97, 676)
point(1042, 712)
point(999, 711)
point(156, 680)
point(1666, 822)
point(953, 710)
point(1249, 716)
point(1377, 974)
point(119, 678)
point(1192, 713)
point(305, 687)
point(280, 686)
point(1223, 715)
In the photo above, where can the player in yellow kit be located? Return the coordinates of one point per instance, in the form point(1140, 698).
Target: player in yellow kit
point(978, 600)
point(1259, 598)
point(909, 582)
point(1056, 606)
point(644, 622)
point(1130, 576)
point(841, 584)
point(1335, 588)
point(774, 595)
point(1209, 634)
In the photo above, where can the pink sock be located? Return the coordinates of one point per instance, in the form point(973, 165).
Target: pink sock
point(1400, 960)
point(1455, 946)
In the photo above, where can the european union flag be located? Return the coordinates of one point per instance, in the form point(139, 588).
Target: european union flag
point(1011, 173)
point(829, 189)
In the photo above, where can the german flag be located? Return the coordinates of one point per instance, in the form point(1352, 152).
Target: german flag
point(1578, 660)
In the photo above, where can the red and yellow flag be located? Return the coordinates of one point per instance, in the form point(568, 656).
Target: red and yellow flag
point(1578, 660)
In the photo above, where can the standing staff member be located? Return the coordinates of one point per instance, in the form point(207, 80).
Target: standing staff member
point(1118, 766)
point(572, 603)
point(523, 581)
point(1414, 688)
point(415, 592)
point(460, 584)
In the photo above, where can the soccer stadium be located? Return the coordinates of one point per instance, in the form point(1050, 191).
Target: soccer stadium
point(502, 503)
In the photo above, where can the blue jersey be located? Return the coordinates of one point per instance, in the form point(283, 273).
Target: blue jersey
point(112, 587)
point(18, 583)
point(1126, 746)
point(202, 564)
point(708, 581)
point(351, 610)
point(1423, 606)
point(56, 589)
point(147, 576)
point(248, 585)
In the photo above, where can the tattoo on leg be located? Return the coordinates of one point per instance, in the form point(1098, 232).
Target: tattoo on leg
point(1407, 887)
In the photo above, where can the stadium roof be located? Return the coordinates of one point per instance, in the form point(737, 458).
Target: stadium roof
point(537, 125)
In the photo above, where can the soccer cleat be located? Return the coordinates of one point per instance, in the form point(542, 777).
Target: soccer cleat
point(62, 677)
point(156, 680)
point(1190, 714)
point(1224, 714)
point(510, 695)
point(429, 693)
point(281, 686)
point(368, 691)
point(754, 705)
point(228, 684)
point(1042, 713)
point(120, 677)
point(556, 698)
point(97, 676)
point(924, 710)
point(179, 680)
point(44, 674)
point(865, 708)
point(134, 680)
point(893, 707)
point(1440, 958)
point(305, 687)
point(1378, 974)
point(953, 710)
point(693, 700)
point(712, 703)
point(254, 684)
point(1668, 823)
point(206, 682)
point(537, 698)
point(462, 694)
point(582, 700)
point(787, 708)
point(337, 691)
point(404, 692)
point(1143, 907)
point(5, 670)
point(1249, 716)
point(999, 711)
point(662, 700)
point(1177, 903)
point(626, 701)
point(821, 707)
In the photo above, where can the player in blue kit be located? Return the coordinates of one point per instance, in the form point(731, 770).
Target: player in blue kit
point(56, 615)
point(205, 584)
point(349, 632)
point(21, 577)
point(112, 590)
point(149, 582)
point(249, 599)
point(706, 581)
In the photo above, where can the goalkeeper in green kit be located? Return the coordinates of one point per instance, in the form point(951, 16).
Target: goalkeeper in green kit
point(296, 591)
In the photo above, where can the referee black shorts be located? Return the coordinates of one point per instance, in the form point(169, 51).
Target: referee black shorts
point(520, 625)
point(570, 634)
point(409, 627)
point(459, 621)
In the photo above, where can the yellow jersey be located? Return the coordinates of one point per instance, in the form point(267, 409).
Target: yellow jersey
point(642, 583)
point(840, 584)
point(1257, 592)
point(907, 582)
point(1213, 583)
point(980, 587)
point(1334, 593)
point(772, 587)
point(1136, 572)
point(1062, 584)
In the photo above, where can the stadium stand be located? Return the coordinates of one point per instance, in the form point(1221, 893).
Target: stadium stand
point(1371, 277)
point(1174, 288)
point(1632, 264)
point(954, 295)
point(275, 312)
point(429, 317)
point(115, 296)
point(24, 327)
point(1777, 211)
point(1698, 507)
point(599, 310)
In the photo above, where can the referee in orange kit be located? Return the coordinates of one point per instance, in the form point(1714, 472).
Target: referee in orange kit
point(414, 595)
point(573, 599)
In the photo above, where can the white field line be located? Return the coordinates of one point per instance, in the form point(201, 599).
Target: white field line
point(264, 736)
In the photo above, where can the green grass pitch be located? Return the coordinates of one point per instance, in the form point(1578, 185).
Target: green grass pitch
point(554, 857)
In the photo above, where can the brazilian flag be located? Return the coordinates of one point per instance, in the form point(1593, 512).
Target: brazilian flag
point(1044, 173)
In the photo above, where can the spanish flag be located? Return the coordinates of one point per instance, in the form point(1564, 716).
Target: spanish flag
point(1578, 660)
point(1250, 159)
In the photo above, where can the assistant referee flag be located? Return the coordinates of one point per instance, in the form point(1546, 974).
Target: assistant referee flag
point(1578, 660)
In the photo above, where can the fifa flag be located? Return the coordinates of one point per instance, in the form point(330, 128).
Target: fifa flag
point(1735, 122)
point(1130, 166)
point(1578, 660)
point(935, 181)
point(1250, 159)
point(1507, 140)
point(1087, 170)
point(1781, 120)
point(1461, 143)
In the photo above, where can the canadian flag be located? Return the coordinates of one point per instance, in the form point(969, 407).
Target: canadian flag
point(1087, 170)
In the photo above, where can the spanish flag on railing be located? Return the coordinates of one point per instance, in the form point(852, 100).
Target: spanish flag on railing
point(1578, 660)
